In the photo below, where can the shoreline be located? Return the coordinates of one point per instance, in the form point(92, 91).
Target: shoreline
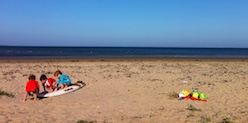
point(116, 59)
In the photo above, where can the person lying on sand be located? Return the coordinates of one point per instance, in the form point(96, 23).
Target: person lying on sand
point(33, 87)
point(62, 79)
point(48, 83)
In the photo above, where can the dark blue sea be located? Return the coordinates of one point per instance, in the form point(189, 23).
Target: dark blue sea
point(89, 52)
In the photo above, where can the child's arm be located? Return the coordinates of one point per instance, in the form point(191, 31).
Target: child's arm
point(25, 96)
point(44, 87)
point(52, 83)
point(51, 89)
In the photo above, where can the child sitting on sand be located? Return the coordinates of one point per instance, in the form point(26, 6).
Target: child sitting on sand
point(48, 83)
point(62, 79)
point(31, 86)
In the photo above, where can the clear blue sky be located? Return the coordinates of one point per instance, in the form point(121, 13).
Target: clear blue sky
point(155, 23)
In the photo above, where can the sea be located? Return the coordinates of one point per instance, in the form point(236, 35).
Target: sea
point(92, 52)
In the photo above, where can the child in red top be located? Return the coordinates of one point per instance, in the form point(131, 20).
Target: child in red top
point(48, 83)
point(32, 86)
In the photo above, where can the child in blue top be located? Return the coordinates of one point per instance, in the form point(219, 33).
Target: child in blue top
point(62, 79)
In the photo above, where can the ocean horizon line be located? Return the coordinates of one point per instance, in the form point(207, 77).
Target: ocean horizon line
point(126, 47)
point(176, 52)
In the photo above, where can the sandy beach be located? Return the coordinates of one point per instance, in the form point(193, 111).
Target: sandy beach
point(123, 90)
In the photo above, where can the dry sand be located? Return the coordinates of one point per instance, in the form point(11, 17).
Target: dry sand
point(128, 90)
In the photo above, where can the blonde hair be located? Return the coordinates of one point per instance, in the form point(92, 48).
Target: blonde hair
point(57, 73)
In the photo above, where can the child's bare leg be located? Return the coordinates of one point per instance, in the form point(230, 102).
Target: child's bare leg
point(24, 97)
point(35, 97)
point(63, 86)
point(50, 89)
point(55, 89)
point(66, 86)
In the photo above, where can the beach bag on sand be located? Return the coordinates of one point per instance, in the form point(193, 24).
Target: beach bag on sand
point(193, 96)
point(202, 96)
point(183, 93)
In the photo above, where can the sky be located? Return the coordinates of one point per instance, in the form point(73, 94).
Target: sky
point(125, 23)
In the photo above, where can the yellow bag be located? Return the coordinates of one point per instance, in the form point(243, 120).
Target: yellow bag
point(195, 94)
point(185, 92)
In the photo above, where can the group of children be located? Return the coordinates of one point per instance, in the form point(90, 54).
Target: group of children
point(33, 86)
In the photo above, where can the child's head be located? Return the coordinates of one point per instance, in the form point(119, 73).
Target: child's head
point(57, 73)
point(31, 77)
point(43, 78)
